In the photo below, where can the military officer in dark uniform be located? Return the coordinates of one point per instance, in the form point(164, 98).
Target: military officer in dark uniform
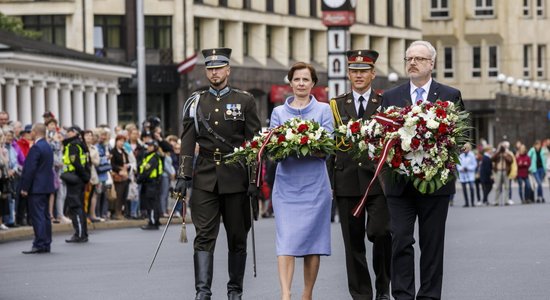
point(218, 119)
point(350, 181)
point(149, 174)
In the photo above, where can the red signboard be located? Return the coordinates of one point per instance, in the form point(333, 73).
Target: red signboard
point(279, 93)
point(338, 18)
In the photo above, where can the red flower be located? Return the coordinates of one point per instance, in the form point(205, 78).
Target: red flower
point(443, 103)
point(396, 161)
point(254, 144)
point(304, 140)
point(243, 144)
point(442, 128)
point(302, 128)
point(355, 127)
point(281, 138)
point(441, 113)
point(415, 143)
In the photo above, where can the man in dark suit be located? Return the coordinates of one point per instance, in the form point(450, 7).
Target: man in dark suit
point(405, 203)
point(350, 180)
point(37, 185)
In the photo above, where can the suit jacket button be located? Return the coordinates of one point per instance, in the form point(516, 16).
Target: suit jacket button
point(218, 163)
point(216, 123)
point(217, 149)
point(216, 110)
point(360, 164)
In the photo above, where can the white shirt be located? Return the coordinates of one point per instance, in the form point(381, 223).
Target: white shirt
point(426, 88)
point(356, 96)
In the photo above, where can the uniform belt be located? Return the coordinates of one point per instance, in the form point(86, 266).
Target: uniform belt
point(212, 155)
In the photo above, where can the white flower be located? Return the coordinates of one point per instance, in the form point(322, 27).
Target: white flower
point(289, 135)
point(416, 157)
point(342, 128)
point(416, 109)
point(236, 149)
point(406, 133)
point(428, 135)
point(362, 145)
point(432, 124)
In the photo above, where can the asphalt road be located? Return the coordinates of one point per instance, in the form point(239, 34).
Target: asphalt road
point(491, 253)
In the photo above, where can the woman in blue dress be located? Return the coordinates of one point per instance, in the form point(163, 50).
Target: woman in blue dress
point(301, 193)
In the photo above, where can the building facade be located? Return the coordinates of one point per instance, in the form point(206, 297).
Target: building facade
point(266, 36)
point(496, 53)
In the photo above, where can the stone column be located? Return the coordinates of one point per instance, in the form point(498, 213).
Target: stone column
point(78, 105)
point(101, 104)
point(53, 99)
point(66, 111)
point(25, 109)
point(2, 104)
point(89, 107)
point(11, 98)
point(38, 101)
point(112, 103)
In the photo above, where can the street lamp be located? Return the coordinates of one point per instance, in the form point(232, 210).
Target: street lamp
point(543, 87)
point(393, 77)
point(526, 85)
point(519, 83)
point(510, 81)
point(501, 78)
point(536, 87)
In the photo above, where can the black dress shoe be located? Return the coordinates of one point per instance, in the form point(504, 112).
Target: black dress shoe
point(36, 251)
point(382, 296)
point(76, 239)
point(149, 227)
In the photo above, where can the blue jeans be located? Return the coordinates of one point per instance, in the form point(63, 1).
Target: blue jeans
point(539, 177)
point(524, 188)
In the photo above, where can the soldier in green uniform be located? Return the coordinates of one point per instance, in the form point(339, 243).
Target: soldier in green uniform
point(218, 119)
point(350, 181)
point(149, 175)
point(77, 173)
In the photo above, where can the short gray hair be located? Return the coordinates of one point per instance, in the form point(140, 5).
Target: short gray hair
point(426, 44)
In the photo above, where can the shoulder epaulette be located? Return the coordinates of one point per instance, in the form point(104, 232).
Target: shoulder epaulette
point(342, 96)
point(243, 92)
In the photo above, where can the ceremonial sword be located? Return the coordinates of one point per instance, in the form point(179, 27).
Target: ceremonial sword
point(178, 197)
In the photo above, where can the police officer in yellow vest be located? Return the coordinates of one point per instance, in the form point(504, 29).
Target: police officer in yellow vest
point(77, 174)
point(149, 175)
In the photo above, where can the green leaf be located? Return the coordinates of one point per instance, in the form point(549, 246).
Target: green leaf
point(438, 183)
point(304, 150)
point(422, 187)
point(431, 186)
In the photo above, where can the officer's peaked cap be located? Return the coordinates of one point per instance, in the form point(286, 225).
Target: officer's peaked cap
point(216, 57)
point(361, 59)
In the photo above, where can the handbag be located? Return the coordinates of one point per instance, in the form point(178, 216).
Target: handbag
point(111, 194)
point(121, 176)
point(70, 178)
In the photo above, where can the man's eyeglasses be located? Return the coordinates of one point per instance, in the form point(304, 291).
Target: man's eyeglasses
point(418, 59)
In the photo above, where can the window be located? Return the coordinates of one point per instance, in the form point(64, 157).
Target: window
point(221, 34)
point(527, 60)
point(245, 39)
point(541, 59)
point(197, 34)
point(290, 44)
point(313, 8)
point(439, 9)
point(540, 8)
point(407, 13)
point(484, 8)
point(448, 71)
point(158, 32)
point(198, 1)
point(269, 5)
point(222, 3)
point(112, 28)
point(493, 61)
point(268, 40)
point(247, 4)
point(390, 12)
point(52, 27)
point(526, 8)
point(372, 13)
point(476, 61)
point(292, 7)
point(312, 46)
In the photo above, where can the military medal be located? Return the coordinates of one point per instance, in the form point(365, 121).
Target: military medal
point(229, 112)
point(348, 101)
point(374, 100)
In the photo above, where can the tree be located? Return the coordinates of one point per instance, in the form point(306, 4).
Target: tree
point(15, 25)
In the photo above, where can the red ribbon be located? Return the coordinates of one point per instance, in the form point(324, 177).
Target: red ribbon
point(359, 208)
point(259, 156)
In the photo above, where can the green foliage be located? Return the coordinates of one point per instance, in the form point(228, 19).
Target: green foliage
point(15, 25)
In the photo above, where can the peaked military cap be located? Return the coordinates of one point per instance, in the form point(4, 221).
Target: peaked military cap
point(216, 58)
point(361, 59)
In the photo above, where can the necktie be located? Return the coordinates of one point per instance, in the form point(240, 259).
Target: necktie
point(419, 91)
point(361, 111)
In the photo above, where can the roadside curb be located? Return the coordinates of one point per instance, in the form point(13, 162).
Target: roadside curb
point(26, 232)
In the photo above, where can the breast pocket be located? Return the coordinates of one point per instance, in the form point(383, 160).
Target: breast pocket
point(236, 121)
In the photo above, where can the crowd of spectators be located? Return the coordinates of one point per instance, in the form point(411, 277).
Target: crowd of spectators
point(501, 169)
point(112, 156)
